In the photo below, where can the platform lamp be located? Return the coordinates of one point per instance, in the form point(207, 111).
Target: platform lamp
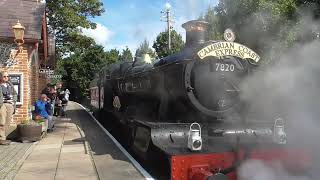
point(18, 31)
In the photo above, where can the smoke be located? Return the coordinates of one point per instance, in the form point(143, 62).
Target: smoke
point(257, 170)
point(190, 9)
point(289, 88)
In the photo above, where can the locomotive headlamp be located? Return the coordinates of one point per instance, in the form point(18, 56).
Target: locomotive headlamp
point(229, 35)
point(279, 135)
point(194, 137)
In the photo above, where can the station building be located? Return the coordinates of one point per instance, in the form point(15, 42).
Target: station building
point(23, 59)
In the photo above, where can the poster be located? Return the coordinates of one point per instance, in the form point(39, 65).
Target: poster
point(16, 80)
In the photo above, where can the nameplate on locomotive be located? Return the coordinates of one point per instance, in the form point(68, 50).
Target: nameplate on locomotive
point(224, 48)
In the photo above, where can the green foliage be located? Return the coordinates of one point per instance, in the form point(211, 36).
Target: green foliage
point(75, 42)
point(312, 5)
point(126, 55)
point(213, 31)
point(267, 26)
point(85, 67)
point(144, 48)
point(161, 44)
point(66, 17)
point(113, 56)
point(79, 69)
point(78, 56)
point(26, 121)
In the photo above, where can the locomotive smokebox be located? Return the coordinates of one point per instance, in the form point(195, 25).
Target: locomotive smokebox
point(196, 32)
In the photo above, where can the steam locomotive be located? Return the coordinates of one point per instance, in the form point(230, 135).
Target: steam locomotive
point(188, 106)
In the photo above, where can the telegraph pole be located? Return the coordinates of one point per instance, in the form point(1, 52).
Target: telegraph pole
point(169, 28)
point(168, 19)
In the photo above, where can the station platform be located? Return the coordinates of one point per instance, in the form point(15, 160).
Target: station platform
point(78, 149)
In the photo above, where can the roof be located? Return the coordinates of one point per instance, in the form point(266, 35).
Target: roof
point(29, 12)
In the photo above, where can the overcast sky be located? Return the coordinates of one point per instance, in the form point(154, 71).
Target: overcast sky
point(129, 22)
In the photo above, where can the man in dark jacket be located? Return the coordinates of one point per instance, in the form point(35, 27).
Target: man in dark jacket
point(8, 98)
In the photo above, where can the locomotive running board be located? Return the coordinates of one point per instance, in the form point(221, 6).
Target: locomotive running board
point(164, 136)
point(172, 138)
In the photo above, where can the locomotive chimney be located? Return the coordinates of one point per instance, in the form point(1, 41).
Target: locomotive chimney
point(196, 32)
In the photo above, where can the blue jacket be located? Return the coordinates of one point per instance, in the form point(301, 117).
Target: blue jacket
point(42, 108)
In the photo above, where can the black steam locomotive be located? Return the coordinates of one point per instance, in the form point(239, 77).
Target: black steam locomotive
point(201, 83)
point(188, 106)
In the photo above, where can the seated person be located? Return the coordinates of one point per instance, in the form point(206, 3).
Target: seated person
point(43, 109)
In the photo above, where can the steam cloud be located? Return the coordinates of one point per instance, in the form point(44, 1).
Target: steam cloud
point(289, 89)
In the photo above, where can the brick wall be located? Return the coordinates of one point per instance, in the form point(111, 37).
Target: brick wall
point(22, 67)
point(28, 66)
point(34, 76)
point(42, 83)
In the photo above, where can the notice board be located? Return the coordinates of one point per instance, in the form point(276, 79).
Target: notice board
point(17, 81)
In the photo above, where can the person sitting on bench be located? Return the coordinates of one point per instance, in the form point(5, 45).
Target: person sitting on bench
point(43, 108)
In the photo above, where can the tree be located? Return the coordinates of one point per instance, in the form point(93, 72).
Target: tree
point(144, 48)
point(75, 42)
point(67, 17)
point(213, 28)
point(161, 43)
point(86, 67)
point(126, 55)
point(273, 23)
point(113, 56)
point(79, 69)
point(78, 56)
point(313, 5)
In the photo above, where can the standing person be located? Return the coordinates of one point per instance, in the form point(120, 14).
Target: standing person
point(48, 91)
point(42, 109)
point(61, 100)
point(8, 98)
point(67, 95)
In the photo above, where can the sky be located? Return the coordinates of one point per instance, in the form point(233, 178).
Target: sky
point(129, 22)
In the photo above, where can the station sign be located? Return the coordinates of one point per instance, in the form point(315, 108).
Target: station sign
point(225, 48)
point(55, 76)
point(46, 71)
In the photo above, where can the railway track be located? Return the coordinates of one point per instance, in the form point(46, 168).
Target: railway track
point(156, 171)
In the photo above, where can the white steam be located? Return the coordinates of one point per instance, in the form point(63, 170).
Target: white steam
point(257, 170)
point(290, 89)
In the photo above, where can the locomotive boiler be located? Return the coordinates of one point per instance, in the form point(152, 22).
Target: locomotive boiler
point(200, 83)
point(188, 106)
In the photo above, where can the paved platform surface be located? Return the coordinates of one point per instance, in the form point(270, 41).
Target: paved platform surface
point(77, 149)
point(110, 162)
point(11, 158)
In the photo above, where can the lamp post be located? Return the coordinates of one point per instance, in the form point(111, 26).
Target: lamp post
point(18, 31)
